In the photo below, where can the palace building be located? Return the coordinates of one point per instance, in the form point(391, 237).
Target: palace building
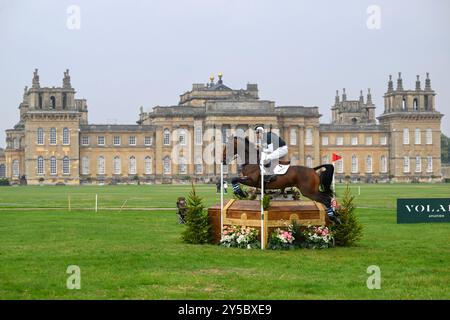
point(53, 142)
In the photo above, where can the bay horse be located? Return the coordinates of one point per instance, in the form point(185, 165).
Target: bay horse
point(313, 185)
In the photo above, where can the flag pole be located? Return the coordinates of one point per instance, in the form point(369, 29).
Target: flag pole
point(262, 195)
point(221, 199)
point(334, 180)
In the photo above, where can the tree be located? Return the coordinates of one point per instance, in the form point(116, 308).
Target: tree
point(350, 230)
point(198, 229)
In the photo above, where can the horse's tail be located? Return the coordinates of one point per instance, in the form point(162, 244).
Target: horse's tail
point(326, 178)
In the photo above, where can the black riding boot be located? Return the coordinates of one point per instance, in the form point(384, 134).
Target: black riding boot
point(239, 192)
point(331, 214)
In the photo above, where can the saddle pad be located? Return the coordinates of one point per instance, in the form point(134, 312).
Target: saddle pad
point(280, 169)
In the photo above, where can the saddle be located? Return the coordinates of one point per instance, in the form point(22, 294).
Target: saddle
point(273, 170)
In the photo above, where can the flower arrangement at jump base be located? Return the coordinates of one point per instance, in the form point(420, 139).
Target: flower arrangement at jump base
point(282, 239)
point(239, 237)
point(317, 238)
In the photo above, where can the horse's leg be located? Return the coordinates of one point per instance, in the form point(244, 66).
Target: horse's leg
point(237, 188)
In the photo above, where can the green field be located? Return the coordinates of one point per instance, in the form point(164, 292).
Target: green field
point(128, 251)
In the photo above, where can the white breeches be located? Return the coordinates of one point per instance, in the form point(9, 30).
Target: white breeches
point(276, 154)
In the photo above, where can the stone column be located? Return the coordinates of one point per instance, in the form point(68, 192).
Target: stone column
point(233, 168)
point(158, 160)
point(218, 148)
point(316, 144)
point(301, 145)
point(190, 149)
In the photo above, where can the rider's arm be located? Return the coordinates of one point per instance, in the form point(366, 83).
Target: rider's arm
point(269, 148)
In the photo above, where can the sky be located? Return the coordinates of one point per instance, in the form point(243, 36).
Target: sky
point(127, 54)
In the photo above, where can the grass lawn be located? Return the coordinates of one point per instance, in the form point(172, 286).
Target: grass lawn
point(137, 254)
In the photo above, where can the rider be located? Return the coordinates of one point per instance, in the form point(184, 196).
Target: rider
point(274, 148)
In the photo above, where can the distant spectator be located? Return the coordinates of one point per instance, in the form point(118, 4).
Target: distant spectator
point(225, 187)
point(218, 186)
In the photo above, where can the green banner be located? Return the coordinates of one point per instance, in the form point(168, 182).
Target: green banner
point(423, 210)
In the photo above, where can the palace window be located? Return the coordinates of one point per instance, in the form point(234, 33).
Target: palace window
point(166, 137)
point(132, 165)
point(182, 139)
point(53, 167)
point(354, 164)
point(354, 141)
point(148, 165)
point(417, 138)
point(225, 132)
point(40, 165)
point(429, 164)
point(406, 164)
point(198, 136)
point(309, 137)
point(198, 167)
point(369, 164)
point(324, 141)
point(383, 164)
point(53, 102)
point(132, 140)
point(340, 165)
point(101, 165)
point(309, 161)
point(166, 165)
point(15, 168)
point(66, 136)
point(53, 136)
point(85, 165)
point(116, 165)
point(406, 136)
point(148, 140)
point(2, 171)
point(182, 166)
point(116, 140)
point(16, 144)
point(418, 164)
point(85, 140)
point(101, 140)
point(339, 141)
point(293, 137)
point(240, 132)
point(383, 140)
point(66, 165)
point(325, 159)
point(429, 136)
point(64, 102)
point(369, 140)
point(40, 136)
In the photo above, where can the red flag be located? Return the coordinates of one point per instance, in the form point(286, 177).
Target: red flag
point(335, 157)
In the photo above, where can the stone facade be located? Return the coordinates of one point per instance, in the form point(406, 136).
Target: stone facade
point(54, 143)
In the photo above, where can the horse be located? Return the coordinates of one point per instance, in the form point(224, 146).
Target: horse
point(313, 185)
